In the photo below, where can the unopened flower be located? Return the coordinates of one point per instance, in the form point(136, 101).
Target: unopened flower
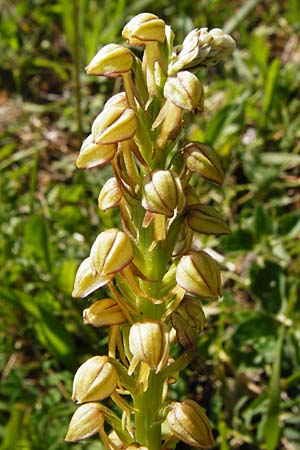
point(163, 193)
point(199, 274)
point(207, 220)
point(149, 342)
point(87, 281)
point(111, 61)
point(191, 310)
point(92, 154)
point(110, 194)
point(188, 422)
point(185, 91)
point(114, 124)
point(87, 420)
point(143, 28)
point(186, 335)
point(118, 100)
point(111, 252)
point(202, 48)
point(95, 379)
point(105, 312)
point(203, 160)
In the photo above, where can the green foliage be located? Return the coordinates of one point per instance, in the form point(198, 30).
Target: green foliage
point(250, 348)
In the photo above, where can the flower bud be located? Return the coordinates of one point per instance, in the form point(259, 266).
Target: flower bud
point(186, 335)
point(199, 274)
point(110, 195)
point(188, 422)
point(119, 100)
point(143, 28)
point(86, 421)
point(111, 252)
point(92, 154)
point(111, 61)
point(163, 193)
point(202, 48)
point(207, 220)
point(104, 313)
point(185, 91)
point(95, 379)
point(191, 310)
point(149, 342)
point(114, 124)
point(203, 160)
point(86, 281)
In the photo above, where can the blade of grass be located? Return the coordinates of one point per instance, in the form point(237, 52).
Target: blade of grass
point(240, 16)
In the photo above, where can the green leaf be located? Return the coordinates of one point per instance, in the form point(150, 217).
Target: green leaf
point(36, 241)
point(13, 428)
point(262, 222)
point(271, 430)
point(270, 90)
point(49, 330)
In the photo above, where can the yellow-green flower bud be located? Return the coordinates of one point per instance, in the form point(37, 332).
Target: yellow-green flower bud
point(191, 310)
point(186, 335)
point(87, 420)
point(203, 160)
point(188, 422)
point(199, 274)
point(143, 28)
point(114, 124)
point(149, 342)
point(86, 281)
point(110, 194)
point(185, 91)
point(119, 100)
point(202, 48)
point(103, 313)
point(163, 193)
point(111, 252)
point(92, 154)
point(207, 220)
point(95, 379)
point(111, 61)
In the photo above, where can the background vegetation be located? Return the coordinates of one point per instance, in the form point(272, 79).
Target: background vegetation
point(248, 368)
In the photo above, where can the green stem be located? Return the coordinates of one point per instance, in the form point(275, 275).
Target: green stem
point(147, 420)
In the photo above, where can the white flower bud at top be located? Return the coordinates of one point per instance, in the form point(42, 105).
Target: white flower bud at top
point(95, 379)
point(143, 28)
point(188, 422)
point(199, 274)
point(149, 342)
point(111, 61)
point(87, 420)
point(111, 252)
point(202, 48)
point(185, 91)
point(86, 281)
point(163, 193)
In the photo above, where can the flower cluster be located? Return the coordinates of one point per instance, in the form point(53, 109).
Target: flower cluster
point(154, 273)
